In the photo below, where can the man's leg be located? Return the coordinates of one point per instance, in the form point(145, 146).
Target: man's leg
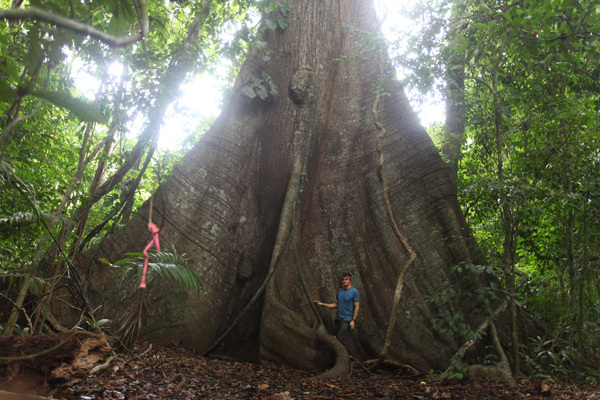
point(341, 331)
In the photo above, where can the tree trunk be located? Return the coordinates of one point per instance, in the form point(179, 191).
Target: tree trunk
point(223, 209)
point(455, 97)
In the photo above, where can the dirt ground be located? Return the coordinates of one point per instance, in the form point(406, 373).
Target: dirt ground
point(170, 372)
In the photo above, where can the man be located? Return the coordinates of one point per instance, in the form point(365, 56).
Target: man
point(347, 304)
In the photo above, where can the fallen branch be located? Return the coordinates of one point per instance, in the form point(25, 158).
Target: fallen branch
point(59, 358)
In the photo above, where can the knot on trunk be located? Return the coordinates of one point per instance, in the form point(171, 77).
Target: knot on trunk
point(301, 84)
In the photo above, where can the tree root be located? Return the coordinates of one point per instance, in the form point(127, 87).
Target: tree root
point(342, 364)
point(105, 365)
point(355, 361)
point(468, 344)
point(412, 256)
point(393, 364)
point(283, 234)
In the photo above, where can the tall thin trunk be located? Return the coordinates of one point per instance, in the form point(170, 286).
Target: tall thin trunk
point(508, 242)
point(582, 279)
point(571, 259)
point(455, 86)
point(108, 148)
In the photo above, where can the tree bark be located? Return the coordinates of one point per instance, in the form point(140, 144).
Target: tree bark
point(223, 208)
point(455, 86)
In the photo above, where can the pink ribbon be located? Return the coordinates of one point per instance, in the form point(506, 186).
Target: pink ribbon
point(154, 229)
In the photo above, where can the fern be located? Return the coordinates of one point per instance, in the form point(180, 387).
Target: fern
point(168, 265)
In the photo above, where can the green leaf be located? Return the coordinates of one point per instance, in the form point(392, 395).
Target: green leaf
point(102, 322)
point(79, 108)
point(282, 20)
point(479, 25)
point(248, 91)
point(256, 80)
point(9, 69)
point(270, 24)
point(484, 6)
point(285, 8)
point(6, 92)
point(273, 88)
point(463, 43)
point(262, 92)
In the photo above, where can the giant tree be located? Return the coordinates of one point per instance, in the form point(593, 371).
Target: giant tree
point(316, 166)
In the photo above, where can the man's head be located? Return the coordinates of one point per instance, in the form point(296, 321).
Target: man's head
point(347, 280)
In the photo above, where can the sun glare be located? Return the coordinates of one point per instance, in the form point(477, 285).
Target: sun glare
point(202, 96)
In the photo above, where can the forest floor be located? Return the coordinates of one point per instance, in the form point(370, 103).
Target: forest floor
point(171, 372)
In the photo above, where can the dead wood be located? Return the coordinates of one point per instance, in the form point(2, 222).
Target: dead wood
point(41, 361)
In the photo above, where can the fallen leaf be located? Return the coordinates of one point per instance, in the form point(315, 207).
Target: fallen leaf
point(263, 386)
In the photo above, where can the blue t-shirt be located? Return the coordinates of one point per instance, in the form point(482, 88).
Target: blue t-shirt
point(345, 304)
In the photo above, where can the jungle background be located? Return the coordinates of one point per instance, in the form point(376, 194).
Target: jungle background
point(520, 81)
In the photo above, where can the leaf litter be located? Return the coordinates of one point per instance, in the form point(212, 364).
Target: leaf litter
point(171, 372)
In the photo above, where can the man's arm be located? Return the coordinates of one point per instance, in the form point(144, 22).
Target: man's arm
point(356, 306)
point(326, 305)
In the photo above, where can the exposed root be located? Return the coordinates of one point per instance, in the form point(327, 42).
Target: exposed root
point(468, 344)
point(342, 364)
point(412, 256)
point(393, 364)
point(355, 361)
point(283, 234)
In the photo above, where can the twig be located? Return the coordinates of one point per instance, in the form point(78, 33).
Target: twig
point(362, 365)
point(105, 365)
point(146, 351)
point(20, 308)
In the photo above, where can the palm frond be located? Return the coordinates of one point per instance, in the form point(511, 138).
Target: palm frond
point(168, 265)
